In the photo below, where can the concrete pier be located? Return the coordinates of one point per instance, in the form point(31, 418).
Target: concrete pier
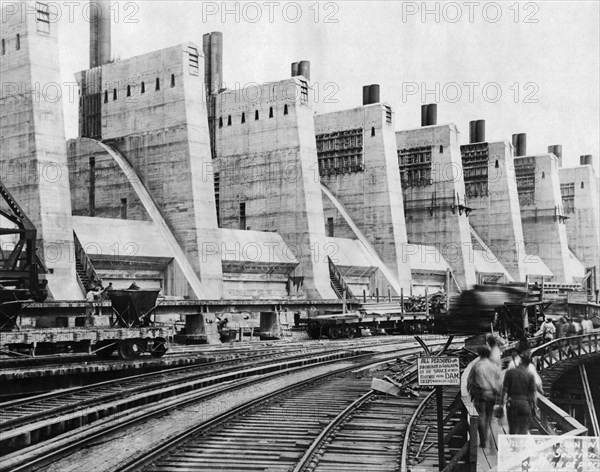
point(32, 149)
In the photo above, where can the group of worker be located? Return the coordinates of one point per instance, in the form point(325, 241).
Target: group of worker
point(564, 327)
point(495, 391)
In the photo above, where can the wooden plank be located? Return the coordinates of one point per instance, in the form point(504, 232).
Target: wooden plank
point(385, 387)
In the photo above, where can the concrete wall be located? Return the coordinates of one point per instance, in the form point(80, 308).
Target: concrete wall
point(163, 133)
point(110, 184)
point(583, 225)
point(269, 165)
point(372, 195)
point(32, 153)
point(544, 229)
point(428, 210)
point(497, 216)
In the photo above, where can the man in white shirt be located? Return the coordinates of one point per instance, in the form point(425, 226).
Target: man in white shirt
point(90, 297)
point(547, 329)
point(587, 325)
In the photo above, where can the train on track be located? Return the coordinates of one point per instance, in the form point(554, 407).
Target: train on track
point(132, 329)
point(511, 310)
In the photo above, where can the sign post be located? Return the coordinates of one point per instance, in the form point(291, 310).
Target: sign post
point(438, 372)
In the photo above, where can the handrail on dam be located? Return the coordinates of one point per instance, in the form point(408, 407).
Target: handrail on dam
point(561, 349)
point(552, 421)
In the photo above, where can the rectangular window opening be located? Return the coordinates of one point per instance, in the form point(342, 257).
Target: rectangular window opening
point(123, 208)
point(388, 114)
point(193, 63)
point(243, 215)
point(330, 227)
point(217, 197)
point(92, 188)
point(42, 18)
point(303, 92)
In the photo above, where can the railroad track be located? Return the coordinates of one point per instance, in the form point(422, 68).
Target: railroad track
point(421, 439)
point(27, 421)
point(49, 362)
point(334, 425)
point(36, 456)
point(30, 420)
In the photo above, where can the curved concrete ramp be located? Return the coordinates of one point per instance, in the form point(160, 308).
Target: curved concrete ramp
point(156, 216)
point(387, 273)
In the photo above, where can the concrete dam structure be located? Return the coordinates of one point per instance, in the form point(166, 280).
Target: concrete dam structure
point(180, 184)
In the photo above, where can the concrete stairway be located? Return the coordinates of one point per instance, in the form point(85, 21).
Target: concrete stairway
point(85, 280)
point(336, 286)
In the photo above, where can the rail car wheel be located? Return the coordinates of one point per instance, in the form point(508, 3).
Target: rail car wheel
point(335, 332)
point(129, 349)
point(349, 332)
point(104, 349)
point(159, 348)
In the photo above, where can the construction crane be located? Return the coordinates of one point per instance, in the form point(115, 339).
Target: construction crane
point(20, 267)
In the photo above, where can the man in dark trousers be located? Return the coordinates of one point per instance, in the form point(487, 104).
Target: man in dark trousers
point(519, 394)
point(483, 384)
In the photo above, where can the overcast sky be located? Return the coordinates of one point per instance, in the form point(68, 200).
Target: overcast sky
point(523, 67)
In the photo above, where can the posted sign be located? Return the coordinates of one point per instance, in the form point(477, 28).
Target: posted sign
point(439, 371)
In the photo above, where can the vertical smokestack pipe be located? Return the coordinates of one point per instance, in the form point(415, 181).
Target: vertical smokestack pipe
point(521, 144)
point(515, 143)
point(374, 93)
point(556, 149)
point(366, 96)
point(206, 51)
point(99, 33)
point(480, 131)
point(216, 61)
point(294, 69)
point(424, 115)
point(304, 69)
point(472, 132)
point(431, 114)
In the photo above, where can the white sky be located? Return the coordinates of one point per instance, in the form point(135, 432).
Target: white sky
point(551, 52)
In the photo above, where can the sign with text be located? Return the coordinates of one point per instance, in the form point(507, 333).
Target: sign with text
point(438, 371)
point(537, 453)
point(577, 298)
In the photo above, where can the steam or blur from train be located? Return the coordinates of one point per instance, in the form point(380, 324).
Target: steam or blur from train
point(487, 308)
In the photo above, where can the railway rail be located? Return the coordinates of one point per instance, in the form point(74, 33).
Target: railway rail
point(35, 456)
point(285, 432)
point(239, 348)
point(29, 420)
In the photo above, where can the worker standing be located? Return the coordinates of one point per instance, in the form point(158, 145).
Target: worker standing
point(587, 325)
point(547, 330)
point(91, 297)
point(483, 384)
point(519, 395)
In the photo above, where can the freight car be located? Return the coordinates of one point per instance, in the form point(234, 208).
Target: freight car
point(132, 329)
point(404, 315)
point(130, 332)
